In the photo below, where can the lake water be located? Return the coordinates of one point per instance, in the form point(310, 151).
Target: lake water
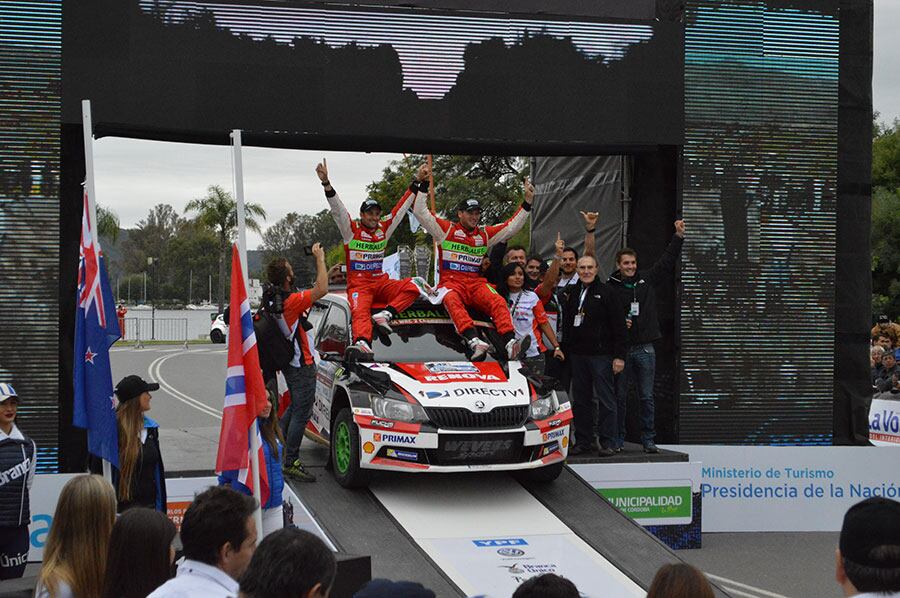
point(170, 324)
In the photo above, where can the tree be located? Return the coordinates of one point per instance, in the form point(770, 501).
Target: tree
point(107, 223)
point(289, 236)
point(886, 218)
point(218, 212)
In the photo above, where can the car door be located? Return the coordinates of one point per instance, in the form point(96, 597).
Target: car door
point(332, 335)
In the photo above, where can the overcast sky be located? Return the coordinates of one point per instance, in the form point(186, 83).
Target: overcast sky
point(134, 175)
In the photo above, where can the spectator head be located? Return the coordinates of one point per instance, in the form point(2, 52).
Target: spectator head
point(875, 354)
point(626, 261)
point(336, 275)
point(515, 254)
point(9, 404)
point(547, 585)
point(219, 529)
point(587, 269)
point(280, 273)
point(290, 563)
point(883, 319)
point(385, 588)
point(568, 261)
point(868, 554)
point(533, 268)
point(140, 554)
point(884, 341)
point(512, 279)
point(888, 360)
point(78, 542)
point(469, 213)
point(680, 580)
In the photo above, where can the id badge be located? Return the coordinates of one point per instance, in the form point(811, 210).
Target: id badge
point(578, 319)
point(635, 309)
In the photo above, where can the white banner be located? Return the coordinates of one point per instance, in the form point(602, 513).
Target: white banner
point(884, 422)
point(789, 489)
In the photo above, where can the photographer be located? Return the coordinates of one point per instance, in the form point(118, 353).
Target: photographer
point(289, 307)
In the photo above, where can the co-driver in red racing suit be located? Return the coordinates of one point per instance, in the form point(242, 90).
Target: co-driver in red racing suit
point(364, 244)
point(461, 247)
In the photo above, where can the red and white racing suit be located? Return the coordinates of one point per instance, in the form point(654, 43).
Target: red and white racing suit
point(367, 283)
point(460, 253)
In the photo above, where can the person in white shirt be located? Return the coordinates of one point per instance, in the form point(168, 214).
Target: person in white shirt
point(218, 536)
point(867, 561)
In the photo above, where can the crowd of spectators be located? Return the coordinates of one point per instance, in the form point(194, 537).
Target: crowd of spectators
point(92, 552)
point(884, 355)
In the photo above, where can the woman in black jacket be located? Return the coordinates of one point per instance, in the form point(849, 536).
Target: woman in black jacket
point(18, 455)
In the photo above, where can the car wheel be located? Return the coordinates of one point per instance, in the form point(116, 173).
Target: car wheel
point(216, 336)
point(541, 475)
point(345, 452)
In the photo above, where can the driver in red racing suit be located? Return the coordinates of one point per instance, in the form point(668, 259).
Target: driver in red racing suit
point(364, 244)
point(461, 247)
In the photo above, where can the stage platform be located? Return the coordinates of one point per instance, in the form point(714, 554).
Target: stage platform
point(631, 453)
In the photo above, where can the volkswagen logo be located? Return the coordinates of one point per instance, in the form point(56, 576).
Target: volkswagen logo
point(479, 405)
point(510, 552)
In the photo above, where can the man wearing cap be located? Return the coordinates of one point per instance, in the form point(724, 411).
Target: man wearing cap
point(461, 247)
point(867, 561)
point(884, 326)
point(365, 240)
point(17, 465)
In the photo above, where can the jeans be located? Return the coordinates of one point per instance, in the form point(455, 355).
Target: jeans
point(301, 383)
point(640, 370)
point(592, 389)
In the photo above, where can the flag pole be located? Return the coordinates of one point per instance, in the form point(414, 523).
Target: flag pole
point(242, 253)
point(88, 130)
point(433, 211)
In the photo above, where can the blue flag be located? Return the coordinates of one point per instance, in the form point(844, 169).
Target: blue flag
point(96, 329)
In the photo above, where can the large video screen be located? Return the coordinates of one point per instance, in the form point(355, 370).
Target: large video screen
point(392, 79)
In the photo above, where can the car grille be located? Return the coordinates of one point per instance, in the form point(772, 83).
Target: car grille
point(460, 418)
point(472, 449)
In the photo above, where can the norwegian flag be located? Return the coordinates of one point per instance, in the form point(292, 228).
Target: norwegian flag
point(245, 391)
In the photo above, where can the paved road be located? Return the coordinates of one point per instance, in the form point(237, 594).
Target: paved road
point(188, 407)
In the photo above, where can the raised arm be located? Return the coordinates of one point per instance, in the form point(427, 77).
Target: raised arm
point(552, 275)
point(666, 262)
point(321, 287)
point(419, 185)
point(435, 226)
point(590, 225)
point(504, 231)
point(338, 209)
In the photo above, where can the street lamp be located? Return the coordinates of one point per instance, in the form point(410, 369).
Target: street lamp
point(150, 262)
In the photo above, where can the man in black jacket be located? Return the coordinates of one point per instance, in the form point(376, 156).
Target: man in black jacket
point(594, 344)
point(637, 297)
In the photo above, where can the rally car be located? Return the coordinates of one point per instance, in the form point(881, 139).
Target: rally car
point(419, 404)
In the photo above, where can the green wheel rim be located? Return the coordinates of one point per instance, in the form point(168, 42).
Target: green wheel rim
point(342, 447)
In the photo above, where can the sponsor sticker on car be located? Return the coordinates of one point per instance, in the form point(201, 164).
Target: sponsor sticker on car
point(394, 438)
point(547, 436)
point(439, 367)
point(500, 542)
point(405, 455)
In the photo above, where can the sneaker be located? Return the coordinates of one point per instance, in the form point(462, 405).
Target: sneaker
point(650, 447)
point(619, 449)
point(578, 449)
point(512, 349)
point(296, 471)
point(383, 321)
point(479, 348)
point(361, 345)
point(606, 452)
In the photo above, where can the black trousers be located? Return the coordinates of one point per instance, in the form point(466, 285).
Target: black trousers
point(14, 545)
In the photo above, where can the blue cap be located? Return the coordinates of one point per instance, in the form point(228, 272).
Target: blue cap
point(385, 588)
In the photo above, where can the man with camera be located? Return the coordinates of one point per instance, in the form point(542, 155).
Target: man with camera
point(289, 307)
point(365, 240)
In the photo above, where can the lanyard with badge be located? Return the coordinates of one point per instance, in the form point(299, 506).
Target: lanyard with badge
point(513, 306)
point(579, 316)
point(635, 309)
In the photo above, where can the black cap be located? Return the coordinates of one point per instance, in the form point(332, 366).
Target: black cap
point(867, 525)
point(369, 204)
point(470, 205)
point(131, 387)
point(883, 319)
point(385, 588)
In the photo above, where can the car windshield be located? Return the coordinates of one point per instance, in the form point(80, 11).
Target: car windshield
point(418, 339)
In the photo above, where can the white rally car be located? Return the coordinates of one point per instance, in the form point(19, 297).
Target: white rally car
point(418, 404)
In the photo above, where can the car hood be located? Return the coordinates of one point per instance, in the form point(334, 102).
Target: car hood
point(475, 386)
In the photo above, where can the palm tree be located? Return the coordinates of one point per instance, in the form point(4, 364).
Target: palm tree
point(218, 211)
point(107, 224)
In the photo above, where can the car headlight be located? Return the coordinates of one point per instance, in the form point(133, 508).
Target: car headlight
point(403, 411)
point(544, 407)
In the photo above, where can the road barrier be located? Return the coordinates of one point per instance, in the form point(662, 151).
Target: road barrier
point(140, 330)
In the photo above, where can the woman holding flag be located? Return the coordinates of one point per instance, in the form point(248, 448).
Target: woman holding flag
point(273, 450)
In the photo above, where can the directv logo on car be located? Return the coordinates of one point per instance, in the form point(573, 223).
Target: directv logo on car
point(500, 542)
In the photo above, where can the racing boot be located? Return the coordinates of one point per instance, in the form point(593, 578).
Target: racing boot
point(296, 471)
point(382, 321)
point(514, 347)
point(361, 345)
point(479, 348)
